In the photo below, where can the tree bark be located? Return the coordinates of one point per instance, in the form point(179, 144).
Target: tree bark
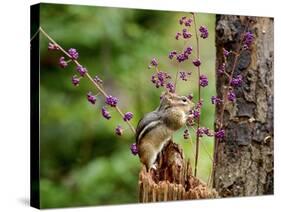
point(244, 157)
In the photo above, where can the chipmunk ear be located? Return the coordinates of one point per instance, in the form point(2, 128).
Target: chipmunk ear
point(166, 98)
point(162, 94)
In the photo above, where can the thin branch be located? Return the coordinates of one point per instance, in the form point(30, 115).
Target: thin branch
point(35, 34)
point(87, 75)
point(199, 95)
point(237, 54)
point(178, 66)
point(205, 148)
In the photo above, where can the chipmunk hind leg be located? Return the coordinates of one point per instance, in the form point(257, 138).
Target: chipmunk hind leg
point(148, 155)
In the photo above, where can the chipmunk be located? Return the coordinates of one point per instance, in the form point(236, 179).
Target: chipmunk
point(155, 129)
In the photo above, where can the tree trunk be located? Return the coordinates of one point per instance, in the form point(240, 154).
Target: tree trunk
point(244, 157)
point(172, 180)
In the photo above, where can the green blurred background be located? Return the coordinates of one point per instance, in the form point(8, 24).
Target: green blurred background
point(83, 162)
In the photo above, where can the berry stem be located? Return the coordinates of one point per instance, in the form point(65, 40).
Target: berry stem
point(87, 75)
point(230, 77)
point(199, 96)
point(178, 67)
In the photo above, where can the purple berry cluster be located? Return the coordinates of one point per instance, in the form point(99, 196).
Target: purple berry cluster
point(236, 81)
point(184, 75)
point(82, 70)
point(186, 134)
point(111, 101)
point(195, 113)
point(201, 131)
point(134, 149)
point(185, 21)
point(221, 69)
point(203, 80)
point(163, 79)
point(73, 53)
point(248, 40)
point(91, 98)
point(233, 81)
point(98, 80)
point(105, 113)
point(119, 130)
point(216, 100)
point(196, 62)
point(231, 96)
point(172, 54)
point(62, 62)
point(225, 52)
point(204, 32)
point(219, 134)
point(181, 56)
point(153, 63)
point(53, 47)
point(185, 34)
point(128, 116)
point(75, 80)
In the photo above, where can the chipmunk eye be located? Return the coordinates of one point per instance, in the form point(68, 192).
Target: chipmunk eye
point(184, 99)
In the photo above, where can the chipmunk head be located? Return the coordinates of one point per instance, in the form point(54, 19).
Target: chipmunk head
point(175, 109)
point(169, 100)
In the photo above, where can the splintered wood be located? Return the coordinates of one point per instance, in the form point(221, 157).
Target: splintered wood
point(172, 180)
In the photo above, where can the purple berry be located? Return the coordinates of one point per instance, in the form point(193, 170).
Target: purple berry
point(111, 100)
point(248, 40)
point(73, 53)
point(134, 149)
point(236, 81)
point(188, 22)
point(97, 80)
point(190, 96)
point(183, 75)
point(215, 100)
point(178, 34)
point(172, 54)
point(82, 70)
point(62, 62)
point(75, 80)
point(219, 134)
point(186, 34)
point(204, 32)
point(188, 50)
point(53, 46)
point(221, 69)
point(186, 134)
point(182, 57)
point(91, 98)
point(203, 80)
point(181, 21)
point(105, 113)
point(196, 113)
point(128, 116)
point(231, 96)
point(153, 62)
point(119, 130)
point(225, 52)
point(171, 87)
point(196, 62)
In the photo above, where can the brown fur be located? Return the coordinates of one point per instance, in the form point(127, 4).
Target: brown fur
point(171, 115)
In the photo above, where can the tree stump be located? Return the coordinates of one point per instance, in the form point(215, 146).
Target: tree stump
point(172, 180)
